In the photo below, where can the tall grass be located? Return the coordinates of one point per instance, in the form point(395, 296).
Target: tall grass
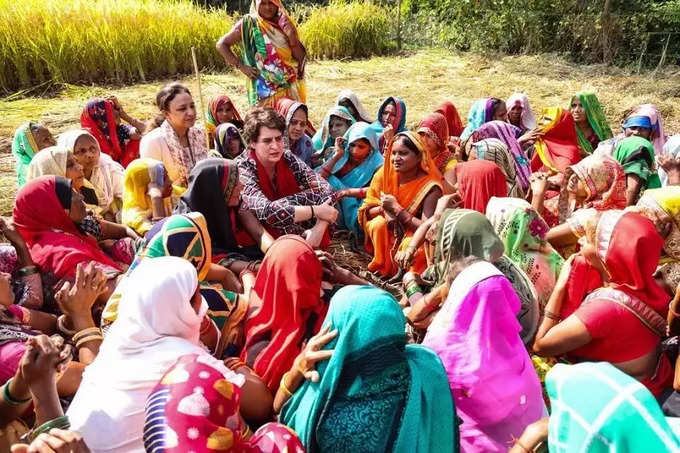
point(348, 29)
point(86, 41)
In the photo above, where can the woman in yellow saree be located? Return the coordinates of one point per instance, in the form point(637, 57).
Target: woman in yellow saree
point(273, 58)
point(402, 194)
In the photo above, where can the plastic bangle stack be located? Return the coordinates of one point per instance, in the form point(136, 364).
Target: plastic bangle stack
point(85, 335)
point(413, 291)
point(9, 398)
point(59, 423)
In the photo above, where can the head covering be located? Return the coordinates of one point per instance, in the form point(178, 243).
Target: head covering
point(211, 183)
point(496, 151)
point(147, 338)
point(390, 176)
point(396, 395)
point(278, 70)
point(670, 148)
point(287, 291)
point(137, 209)
point(359, 176)
point(476, 334)
point(211, 113)
point(558, 147)
point(481, 112)
point(106, 174)
point(478, 181)
point(593, 110)
point(195, 407)
point(527, 119)
point(399, 122)
point(464, 232)
point(434, 126)
point(304, 147)
point(664, 202)
point(630, 247)
point(452, 117)
point(604, 181)
point(637, 157)
point(349, 95)
point(647, 115)
point(55, 244)
point(24, 148)
point(523, 231)
point(596, 407)
point(506, 133)
point(322, 139)
point(50, 161)
point(99, 120)
point(224, 134)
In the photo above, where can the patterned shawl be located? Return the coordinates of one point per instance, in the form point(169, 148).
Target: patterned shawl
point(497, 152)
point(185, 158)
point(506, 133)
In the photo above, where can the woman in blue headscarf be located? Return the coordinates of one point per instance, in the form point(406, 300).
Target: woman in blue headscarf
point(335, 124)
point(392, 112)
point(483, 111)
point(375, 393)
point(352, 167)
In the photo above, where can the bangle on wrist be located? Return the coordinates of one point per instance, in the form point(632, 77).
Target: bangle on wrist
point(61, 326)
point(59, 423)
point(86, 333)
point(550, 315)
point(312, 209)
point(11, 400)
point(86, 339)
point(283, 385)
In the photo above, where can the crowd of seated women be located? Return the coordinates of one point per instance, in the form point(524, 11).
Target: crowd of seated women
point(170, 286)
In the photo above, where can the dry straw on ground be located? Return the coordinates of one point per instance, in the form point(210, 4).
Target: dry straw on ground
point(423, 79)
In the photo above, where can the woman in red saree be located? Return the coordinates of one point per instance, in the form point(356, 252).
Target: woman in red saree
point(452, 118)
point(45, 214)
point(101, 118)
point(286, 308)
point(402, 194)
point(624, 321)
point(557, 147)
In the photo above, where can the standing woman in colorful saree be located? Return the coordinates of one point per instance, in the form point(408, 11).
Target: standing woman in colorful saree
point(375, 392)
point(591, 124)
point(352, 167)
point(402, 194)
point(273, 56)
point(177, 143)
point(29, 138)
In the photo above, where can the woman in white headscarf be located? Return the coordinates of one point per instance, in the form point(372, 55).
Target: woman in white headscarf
point(520, 113)
point(350, 100)
point(159, 320)
point(105, 174)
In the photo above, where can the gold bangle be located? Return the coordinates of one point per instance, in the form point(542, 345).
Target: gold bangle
point(88, 338)
point(283, 385)
point(86, 332)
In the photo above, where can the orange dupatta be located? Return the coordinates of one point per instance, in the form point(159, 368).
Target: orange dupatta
point(382, 239)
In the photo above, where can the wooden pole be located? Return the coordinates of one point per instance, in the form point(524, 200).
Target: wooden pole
point(200, 97)
point(399, 24)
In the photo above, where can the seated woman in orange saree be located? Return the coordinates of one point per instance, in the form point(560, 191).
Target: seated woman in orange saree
point(402, 194)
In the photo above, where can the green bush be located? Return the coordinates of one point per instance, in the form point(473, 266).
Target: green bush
point(85, 41)
point(347, 29)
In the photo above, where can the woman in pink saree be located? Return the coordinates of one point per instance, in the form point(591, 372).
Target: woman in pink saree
point(476, 335)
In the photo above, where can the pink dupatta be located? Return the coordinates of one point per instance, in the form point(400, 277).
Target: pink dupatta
point(476, 335)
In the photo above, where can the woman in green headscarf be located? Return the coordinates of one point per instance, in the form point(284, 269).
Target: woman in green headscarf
point(29, 138)
point(523, 231)
point(598, 408)
point(375, 393)
point(591, 124)
point(636, 156)
point(461, 233)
